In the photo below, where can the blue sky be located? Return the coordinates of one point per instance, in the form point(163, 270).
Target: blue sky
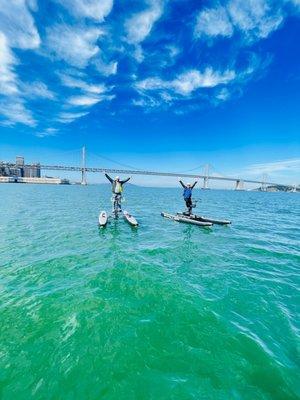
point(156, 84)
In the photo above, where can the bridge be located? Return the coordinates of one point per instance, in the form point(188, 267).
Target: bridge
point(206, 176)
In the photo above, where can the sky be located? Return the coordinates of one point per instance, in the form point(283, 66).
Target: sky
point(169, 85)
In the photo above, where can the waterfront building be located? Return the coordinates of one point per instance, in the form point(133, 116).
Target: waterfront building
point(20, 161)
point(22, 173)
point(32, 171)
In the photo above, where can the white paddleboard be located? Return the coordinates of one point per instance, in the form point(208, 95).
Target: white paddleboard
point(130, 219)
point(103, 218)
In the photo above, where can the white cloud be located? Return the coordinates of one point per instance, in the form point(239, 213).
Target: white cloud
point(255, 19)
point(68, 117)
point(192, 80)
point(187, 82)
point(17, 23)
point(37, 89)
point(73, 44)
point(106, 69)
point(213, 22)
point(223, 94)
point(47, 132)
point(76, 83)
point(139, 26)
point(277, 166)
point(15, 112)
point(8, 78)
point(84, 101)
point(146, 102)
point(94, 9)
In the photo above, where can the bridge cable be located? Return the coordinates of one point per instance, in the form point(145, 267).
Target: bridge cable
point(115, 162)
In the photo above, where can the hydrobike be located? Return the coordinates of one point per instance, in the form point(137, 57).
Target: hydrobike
point(116, 211)
point(193, 219)
point(205, 219)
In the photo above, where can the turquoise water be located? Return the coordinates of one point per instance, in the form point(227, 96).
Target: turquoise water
point(165, 311)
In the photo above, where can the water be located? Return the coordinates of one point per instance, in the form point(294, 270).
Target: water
point(165, 311)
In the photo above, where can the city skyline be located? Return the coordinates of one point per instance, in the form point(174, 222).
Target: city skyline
point(158, 85)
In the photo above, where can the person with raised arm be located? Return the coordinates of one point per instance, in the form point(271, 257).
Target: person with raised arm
point(187, 195)
point(117, 189)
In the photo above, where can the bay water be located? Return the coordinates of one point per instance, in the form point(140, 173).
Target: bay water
point(162, 311)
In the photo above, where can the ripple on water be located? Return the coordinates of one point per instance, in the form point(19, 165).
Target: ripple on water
point(167, 311)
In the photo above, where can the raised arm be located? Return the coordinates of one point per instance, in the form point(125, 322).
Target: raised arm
point(109, 178)
point(126, 180)
point(194, 184)
point(182, 184)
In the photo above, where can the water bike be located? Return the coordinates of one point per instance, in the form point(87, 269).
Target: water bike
point(189, 218)
point(116, 211)
point(205, 219)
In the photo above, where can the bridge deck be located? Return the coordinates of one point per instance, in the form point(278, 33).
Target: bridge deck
point(141, 172)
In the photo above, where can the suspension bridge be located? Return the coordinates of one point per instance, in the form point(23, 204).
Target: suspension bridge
point(206, 176)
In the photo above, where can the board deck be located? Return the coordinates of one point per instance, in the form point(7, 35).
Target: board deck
point(103, 218)
point(130, 219)
point(179, 218)
point(206, 219)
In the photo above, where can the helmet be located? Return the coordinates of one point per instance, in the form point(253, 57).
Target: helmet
point(117, 178)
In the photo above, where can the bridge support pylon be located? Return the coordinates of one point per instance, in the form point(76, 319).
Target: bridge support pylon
point(263, 187)
point(239, 184)
point(205, 183)
point(83, 169)
point(206, 176)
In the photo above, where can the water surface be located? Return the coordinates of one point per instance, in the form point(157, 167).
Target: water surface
point(165, 311)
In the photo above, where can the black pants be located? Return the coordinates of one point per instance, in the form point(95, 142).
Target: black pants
point(189, 204)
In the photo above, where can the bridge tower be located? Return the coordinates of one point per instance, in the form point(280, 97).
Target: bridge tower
point(206, 176)
point(239, 185)
point(83, 168)
point(263, 187)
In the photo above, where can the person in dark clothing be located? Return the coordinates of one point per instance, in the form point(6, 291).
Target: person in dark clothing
point(187, 195)
point(117, 189)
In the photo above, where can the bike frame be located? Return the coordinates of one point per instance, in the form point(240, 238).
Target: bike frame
point(117, 208)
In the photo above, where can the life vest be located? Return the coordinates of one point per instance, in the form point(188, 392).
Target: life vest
point(187, 193)
point(118, 188)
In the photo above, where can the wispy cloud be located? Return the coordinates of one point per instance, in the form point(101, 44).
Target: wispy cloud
point(18, 25)
point(36, 89)
point(47, 132)
point(68, 117)
point(86, 52)
point(106, 69)
point(84, 101)
point(253, 19)
point(75, 83)
point(273, 167)
point(214, 22)
point(75, 45)
point(16, 112)
point(94, 9)
point(139, 26)
point(8, 78)
point(189, 81)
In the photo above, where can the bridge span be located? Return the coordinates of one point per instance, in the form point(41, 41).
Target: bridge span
point(239, 182)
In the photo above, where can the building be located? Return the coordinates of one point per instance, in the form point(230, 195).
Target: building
point(20, 169)
point(32, 171)
point(20, 161)
point(22, 173)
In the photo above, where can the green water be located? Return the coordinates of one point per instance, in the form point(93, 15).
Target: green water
point(165, 311)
